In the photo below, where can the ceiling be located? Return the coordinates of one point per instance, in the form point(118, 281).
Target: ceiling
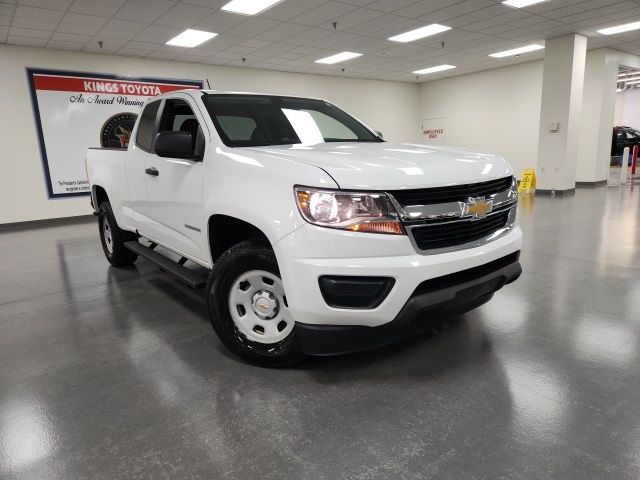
point(294, 33)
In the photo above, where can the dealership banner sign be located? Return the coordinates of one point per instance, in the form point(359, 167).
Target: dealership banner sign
point(74, 111)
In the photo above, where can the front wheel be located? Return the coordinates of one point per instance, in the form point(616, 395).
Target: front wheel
point(248, 306)
point(113, 238)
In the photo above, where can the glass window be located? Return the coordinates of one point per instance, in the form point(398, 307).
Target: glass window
point(144, 137)
point(259, 120)
point(178, 116)
point(238, 128)
point(330, 127)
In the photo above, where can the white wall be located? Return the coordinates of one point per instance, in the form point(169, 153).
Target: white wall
point(496, 111)
point(627, 109)
point(391, 107)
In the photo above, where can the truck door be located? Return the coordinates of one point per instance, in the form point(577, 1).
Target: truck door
point(139, 149)
point(173, 209)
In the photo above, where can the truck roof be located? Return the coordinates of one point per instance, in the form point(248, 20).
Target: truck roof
point(236, 92)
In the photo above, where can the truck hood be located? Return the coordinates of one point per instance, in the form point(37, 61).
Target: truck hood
point(388, 166)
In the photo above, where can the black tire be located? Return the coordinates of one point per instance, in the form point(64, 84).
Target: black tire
point(242, 258)
point(113, 246)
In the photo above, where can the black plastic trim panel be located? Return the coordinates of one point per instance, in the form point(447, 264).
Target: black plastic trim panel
point(355, 292)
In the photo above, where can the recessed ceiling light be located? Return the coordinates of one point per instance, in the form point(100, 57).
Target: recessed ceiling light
point(191, 38)
point(339, 57)
point(439, 68)
point(249, 7)
point(521, 3)
point(419, 33)
point(627, 27)
point(517, 51)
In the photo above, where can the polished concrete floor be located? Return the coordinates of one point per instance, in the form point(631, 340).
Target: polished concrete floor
point(117, 374)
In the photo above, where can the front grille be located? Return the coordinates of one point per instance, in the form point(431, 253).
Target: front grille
point(457, 193)
point(450, 234)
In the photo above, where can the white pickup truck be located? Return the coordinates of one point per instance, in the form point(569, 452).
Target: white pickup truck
point(319, 237)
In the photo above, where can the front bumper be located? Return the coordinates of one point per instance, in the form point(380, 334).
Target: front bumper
point(433, 299)
point(311, 252)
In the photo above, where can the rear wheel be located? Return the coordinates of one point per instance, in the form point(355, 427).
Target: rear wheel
point(113, 238)
point(248, 306)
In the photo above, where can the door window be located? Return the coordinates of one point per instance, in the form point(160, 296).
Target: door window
point(144, 137)
point(178, 116)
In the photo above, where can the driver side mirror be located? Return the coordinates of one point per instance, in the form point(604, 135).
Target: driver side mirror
point(379, 133)
point(175, 145)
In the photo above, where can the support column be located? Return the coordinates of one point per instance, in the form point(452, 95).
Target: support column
point(562, 85)
point(598, 103)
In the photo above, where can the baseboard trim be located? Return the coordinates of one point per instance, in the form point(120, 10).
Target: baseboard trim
point(599, 183)
point(47, 222)
point(559, 193)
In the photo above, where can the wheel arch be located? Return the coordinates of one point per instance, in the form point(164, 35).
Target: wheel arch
point(98, 195)
point(225, 231)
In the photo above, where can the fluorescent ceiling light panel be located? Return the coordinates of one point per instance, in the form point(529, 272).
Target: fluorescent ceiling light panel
point(517, 51)
point(339, 57)
point(632, 83)
point(439, 68)
point(627, 27)
point(419, 33)
point(191, 38)
point(628, 74)
point(521, 3)
point(630, 79)
point(249, 7)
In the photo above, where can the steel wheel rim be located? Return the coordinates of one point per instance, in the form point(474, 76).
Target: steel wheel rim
point(107, 235)
point(258, 307)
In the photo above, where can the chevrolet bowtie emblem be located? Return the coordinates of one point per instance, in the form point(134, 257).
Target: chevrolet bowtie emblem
point(477, 208)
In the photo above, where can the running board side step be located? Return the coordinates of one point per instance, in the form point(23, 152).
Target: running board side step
point(189, 277)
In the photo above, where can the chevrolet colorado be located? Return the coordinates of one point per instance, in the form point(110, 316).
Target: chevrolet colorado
point(318, 236)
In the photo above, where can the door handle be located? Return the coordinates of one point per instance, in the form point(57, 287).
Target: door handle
point(152, 171)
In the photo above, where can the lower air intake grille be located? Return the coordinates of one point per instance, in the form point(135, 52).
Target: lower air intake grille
point(451, 234)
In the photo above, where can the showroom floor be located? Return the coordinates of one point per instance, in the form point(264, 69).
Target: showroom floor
point(108, 373)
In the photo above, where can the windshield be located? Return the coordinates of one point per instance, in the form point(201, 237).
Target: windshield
point(259, 120)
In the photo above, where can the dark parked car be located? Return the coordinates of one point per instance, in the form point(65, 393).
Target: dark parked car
point(623, 137)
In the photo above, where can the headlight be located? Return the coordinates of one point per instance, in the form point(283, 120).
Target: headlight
point(358, 212)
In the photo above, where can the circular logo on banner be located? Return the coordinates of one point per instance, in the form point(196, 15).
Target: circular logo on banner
point(116, 131)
